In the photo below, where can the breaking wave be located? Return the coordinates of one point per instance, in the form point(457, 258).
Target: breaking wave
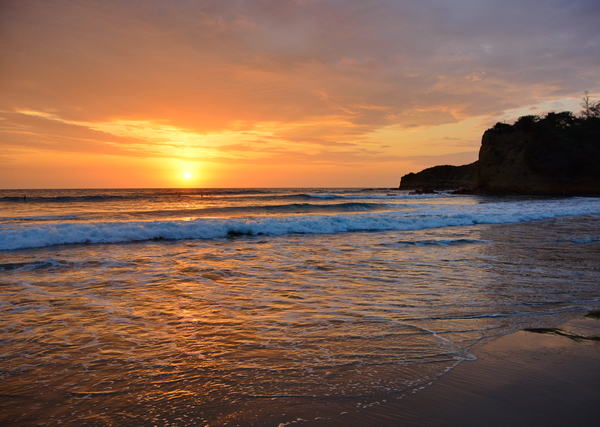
point(41, 235)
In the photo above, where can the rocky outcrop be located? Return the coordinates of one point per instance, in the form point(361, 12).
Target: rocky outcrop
point(530, 162)
point(441, 178)
point(558, 154)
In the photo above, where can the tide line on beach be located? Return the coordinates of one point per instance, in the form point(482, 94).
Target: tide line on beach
point(534, 377)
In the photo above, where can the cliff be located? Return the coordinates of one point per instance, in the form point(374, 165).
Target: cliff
point(441, 178)
point(558, 154)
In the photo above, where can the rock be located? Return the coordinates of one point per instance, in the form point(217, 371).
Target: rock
point(423, 191)
point(558, 154)
point(441, 178)
point(539, 160)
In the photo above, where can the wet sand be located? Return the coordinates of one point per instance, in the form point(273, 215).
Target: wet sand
point(539, 377)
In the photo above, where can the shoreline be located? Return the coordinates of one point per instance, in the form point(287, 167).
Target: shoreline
point(539, 377)
point(496, 280)
point(533, 377)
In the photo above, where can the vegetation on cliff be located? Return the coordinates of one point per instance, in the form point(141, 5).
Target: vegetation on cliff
point(561, 147)
point(557, 153)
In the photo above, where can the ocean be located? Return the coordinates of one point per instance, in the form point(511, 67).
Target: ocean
point(269, 307)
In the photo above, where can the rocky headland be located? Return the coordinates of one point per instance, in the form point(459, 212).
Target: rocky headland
point(557, 154)
point(444, 177)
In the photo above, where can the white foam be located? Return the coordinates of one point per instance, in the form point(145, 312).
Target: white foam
point(41, 235)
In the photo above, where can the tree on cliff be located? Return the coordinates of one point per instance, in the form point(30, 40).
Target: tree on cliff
point(554, 125)
point(562, 146)
point(588, 121)
point(590, 108)
point(551, 154)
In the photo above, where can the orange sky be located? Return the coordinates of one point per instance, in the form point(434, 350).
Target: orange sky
point(275, 93)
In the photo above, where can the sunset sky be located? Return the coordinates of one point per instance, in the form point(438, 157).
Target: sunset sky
point(276, 93)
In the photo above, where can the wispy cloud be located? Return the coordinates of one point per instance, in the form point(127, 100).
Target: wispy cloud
point(291, 74)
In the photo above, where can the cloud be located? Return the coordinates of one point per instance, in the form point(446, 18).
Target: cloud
point(319, 73)
point(34, 131)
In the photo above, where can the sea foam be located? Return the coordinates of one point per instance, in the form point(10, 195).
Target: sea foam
point(33, 236)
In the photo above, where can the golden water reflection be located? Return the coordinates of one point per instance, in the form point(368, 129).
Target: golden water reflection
point(196, 332)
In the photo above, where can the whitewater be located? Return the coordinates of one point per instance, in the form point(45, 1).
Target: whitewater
point(269, 306)
point(256, 216)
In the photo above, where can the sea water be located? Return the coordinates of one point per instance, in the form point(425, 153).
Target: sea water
point(246, 307)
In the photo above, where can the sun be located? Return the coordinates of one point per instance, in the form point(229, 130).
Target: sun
point(187, 175)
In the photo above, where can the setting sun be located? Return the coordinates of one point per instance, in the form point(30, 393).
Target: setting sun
point(235, 94)
point(262, 212)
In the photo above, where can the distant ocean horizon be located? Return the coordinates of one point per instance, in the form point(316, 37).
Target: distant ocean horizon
point(264, 306)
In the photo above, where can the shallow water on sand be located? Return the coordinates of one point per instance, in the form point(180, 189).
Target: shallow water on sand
point(263, 330)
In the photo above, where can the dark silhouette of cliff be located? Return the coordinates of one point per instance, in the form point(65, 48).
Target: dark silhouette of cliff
point(441, 178)
point(554, 154)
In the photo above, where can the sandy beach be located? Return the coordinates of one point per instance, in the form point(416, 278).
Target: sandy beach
point(537, 377)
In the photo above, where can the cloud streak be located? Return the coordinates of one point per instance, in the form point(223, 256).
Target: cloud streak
point(306, 73)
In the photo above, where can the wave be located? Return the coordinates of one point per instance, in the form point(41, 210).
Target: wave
point(86, 196)
point(44, 218)
point(69, 199)
point(36, 265)
point(32, 236)
point(292, 208)
point(311, 207)
point(368, 197)
point(586, 240)
point(276, 209)
point(90, 196)
point(449, 242)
